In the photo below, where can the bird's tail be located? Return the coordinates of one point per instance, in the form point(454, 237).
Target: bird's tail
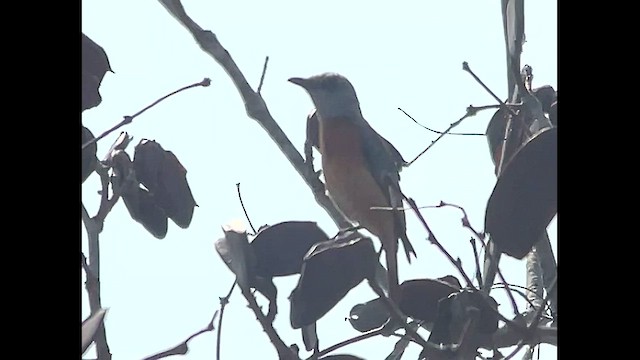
point(408, 248)
point(396, 197)
point(391, 255)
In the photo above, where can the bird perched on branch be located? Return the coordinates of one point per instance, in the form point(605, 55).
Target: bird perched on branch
point(361, 169)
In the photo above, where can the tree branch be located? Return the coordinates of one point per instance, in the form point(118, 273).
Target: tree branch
point(223, 303)
point(129, 119)
point(93, 281)
point(284, 353)
point(183, 347)
point(255, 105)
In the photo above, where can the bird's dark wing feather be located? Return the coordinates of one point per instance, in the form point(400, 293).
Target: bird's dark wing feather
point(384, 162)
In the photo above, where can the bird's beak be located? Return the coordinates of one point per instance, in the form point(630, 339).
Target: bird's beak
point(304, 83)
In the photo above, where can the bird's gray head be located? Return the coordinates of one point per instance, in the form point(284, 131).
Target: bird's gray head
point(332, 94)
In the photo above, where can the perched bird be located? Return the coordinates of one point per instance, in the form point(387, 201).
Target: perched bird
point(361, 169)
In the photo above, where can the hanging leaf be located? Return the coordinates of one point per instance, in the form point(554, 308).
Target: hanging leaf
point(143, 209)
point(453, 317)
point(419, 300)
point(95, 65)
point(280, 248)
point(161, 172)
point(330, 270)
point(546, 95)
point(310, 337)
point(368, 316)
point(140, 203)
point(234, 249)
point(525, 197)
point(420, 297)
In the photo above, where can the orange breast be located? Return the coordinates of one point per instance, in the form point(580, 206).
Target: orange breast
point(348, 180)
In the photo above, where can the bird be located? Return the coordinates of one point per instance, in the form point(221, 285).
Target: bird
point(361, 169)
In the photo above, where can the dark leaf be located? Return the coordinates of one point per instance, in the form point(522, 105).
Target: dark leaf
point(234, 249)
point(94, 66)
point(546, 95)
point(143, 209)
point(368, 316)
point(89, 159)
point(330, 270)
point(419, 300)
point(420, 297)
point(280, 248)
point(341, 357)
point(453, 316)
point(165, 177)
point(90, 327)
point(140, 203)
point(525, 197)
point(310, 337)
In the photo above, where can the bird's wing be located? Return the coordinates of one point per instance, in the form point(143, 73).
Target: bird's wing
point(385, 162)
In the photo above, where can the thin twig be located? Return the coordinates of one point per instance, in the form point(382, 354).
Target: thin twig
point(183, 347)
point(470, 111)
point(353, 340)
point(451, 133)
point(244, 209)
point(476, 258)
point(465, 220)
point(223, 303)
point(519, 292)
point(507, 288)
point(465, 67)
point(534, 324)
point(128, 119)
point(264, 72)
point(468, 114)
point(344, 343)
point(434, 240)
point(284, 353)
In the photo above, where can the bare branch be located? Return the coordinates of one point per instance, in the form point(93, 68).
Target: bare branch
point(93, 281)
point(476, 259)
point(255, 105)
point(284, 353)
point(244, 209)
point(223, 303)
point(465, 67)
point(264, 72)
point(451, 133)
point(183, 347)
point(129, 119)
point(434, 240)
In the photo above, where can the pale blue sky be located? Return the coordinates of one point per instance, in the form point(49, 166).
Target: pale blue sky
point(407, 55)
